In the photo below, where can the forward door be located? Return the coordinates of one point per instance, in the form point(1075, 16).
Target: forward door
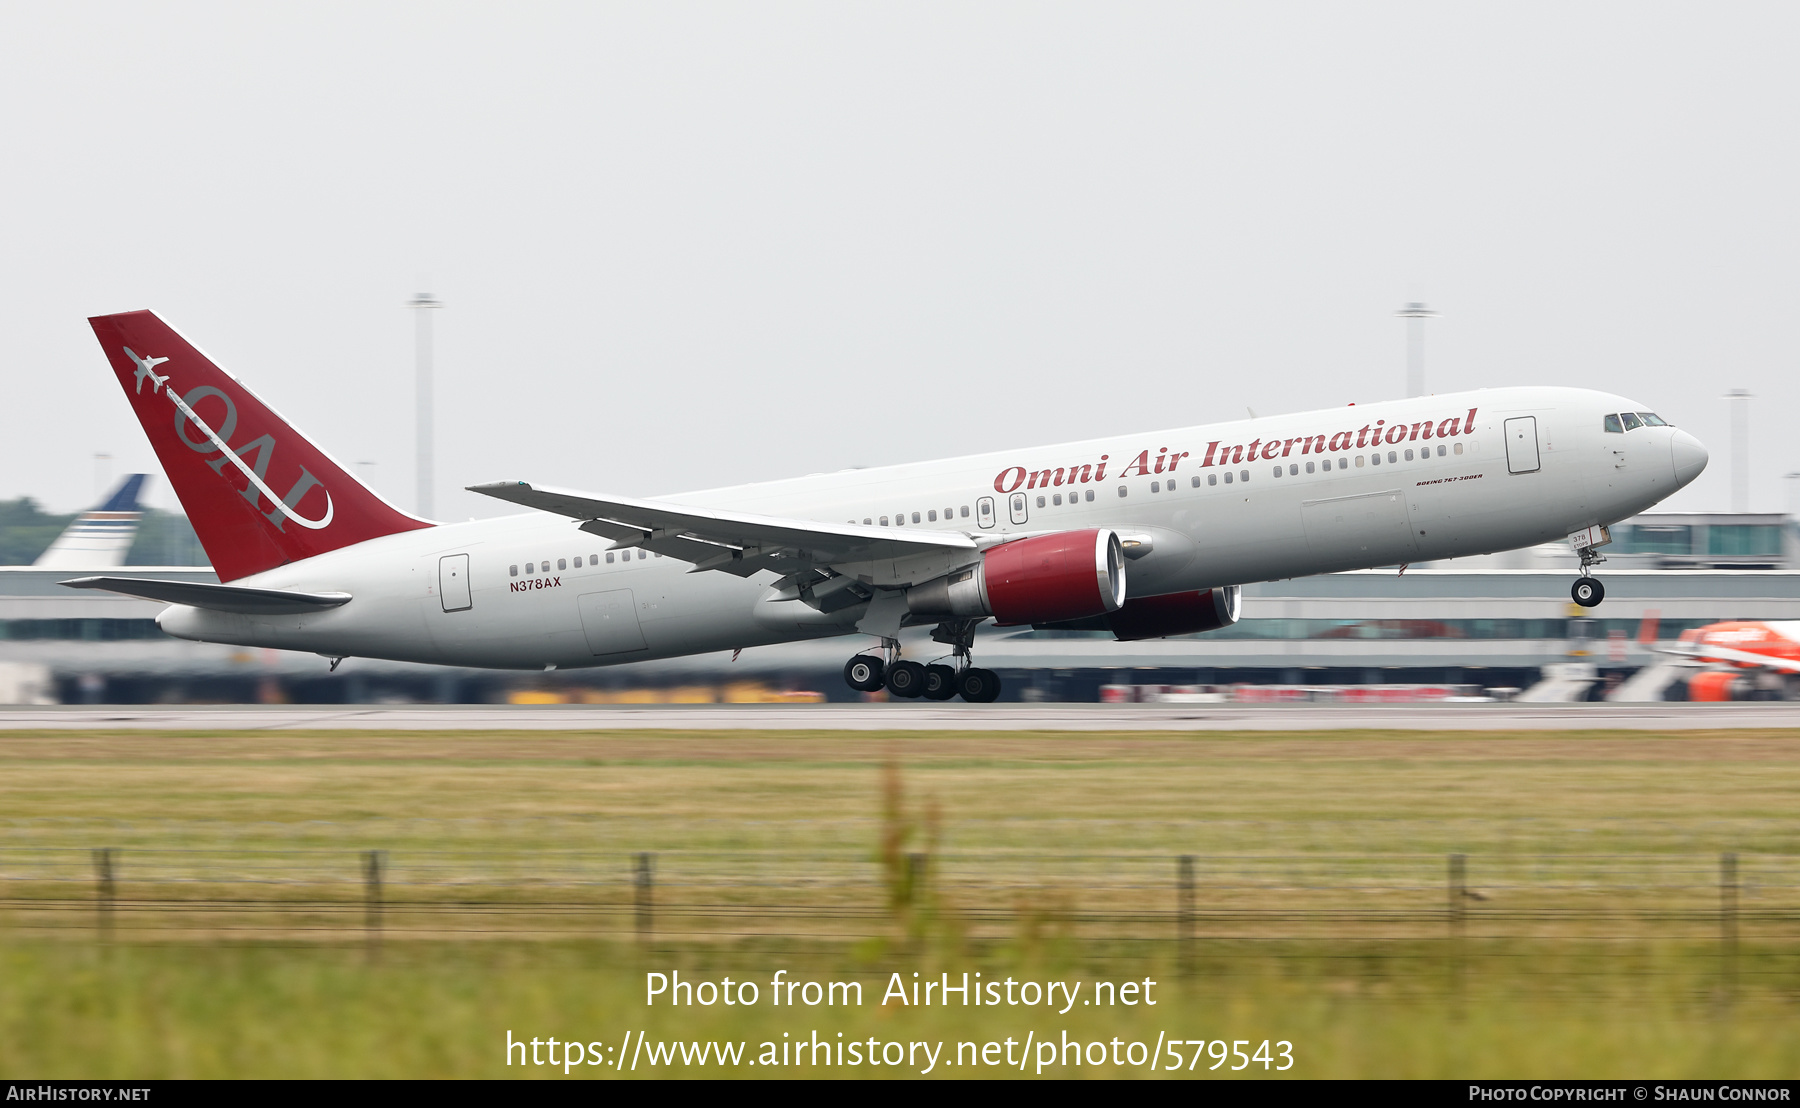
point(1522, 445)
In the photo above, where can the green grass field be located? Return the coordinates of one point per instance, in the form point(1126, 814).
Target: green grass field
point(1590, 943)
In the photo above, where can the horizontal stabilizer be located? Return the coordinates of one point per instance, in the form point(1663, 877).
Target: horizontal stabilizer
point(220, 598)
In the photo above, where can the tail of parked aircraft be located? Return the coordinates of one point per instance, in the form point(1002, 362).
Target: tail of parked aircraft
point(99, 538)
point(257, 492)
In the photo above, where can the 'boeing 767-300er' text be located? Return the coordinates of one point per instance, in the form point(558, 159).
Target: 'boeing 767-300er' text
point(1142, 535)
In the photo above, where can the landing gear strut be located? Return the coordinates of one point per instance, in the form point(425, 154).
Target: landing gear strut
point(868, 672)
point(1588, 591)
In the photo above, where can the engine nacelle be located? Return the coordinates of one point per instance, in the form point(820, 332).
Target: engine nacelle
point(1158, 617)
point(1070, 575)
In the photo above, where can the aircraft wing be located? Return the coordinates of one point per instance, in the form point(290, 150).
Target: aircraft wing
point(1731, 654)
point(735, 542)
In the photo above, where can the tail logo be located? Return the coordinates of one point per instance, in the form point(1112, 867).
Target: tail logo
point(145, 368)
point(262, 448)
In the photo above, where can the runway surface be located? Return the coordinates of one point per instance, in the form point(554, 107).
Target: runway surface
point(906, 717)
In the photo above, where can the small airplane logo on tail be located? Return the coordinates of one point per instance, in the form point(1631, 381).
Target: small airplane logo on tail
point(145, 366)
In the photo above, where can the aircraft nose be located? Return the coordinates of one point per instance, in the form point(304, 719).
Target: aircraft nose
point(1689, 457)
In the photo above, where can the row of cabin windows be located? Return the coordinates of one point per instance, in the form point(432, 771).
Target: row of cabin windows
point(900, 517)
point(1293, 468)
point(563, 563)
point(1243, 475)
point(1631, 421)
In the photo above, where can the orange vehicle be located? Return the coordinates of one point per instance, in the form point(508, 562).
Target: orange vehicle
point(1769, 646)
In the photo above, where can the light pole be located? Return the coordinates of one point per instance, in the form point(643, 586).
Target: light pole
point(422, 306)
point(1739, 399)
point(1415, 316)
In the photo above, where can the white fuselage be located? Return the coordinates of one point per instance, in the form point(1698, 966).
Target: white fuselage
point(527, 575)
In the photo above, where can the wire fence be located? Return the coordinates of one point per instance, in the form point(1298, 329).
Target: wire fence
point(675, 897)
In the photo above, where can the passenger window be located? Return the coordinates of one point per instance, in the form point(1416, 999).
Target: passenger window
point(1409, 455)
point(562, 563)
point(1294, 470)
point(1375, 459)
point(931, 515)
point(530, 568)
point(1121, 491)
point(512, 571)
point(1212, 478)
point(884, 521)
point(1278, 471)
point(1243, 475)
point(1457, 449)
point(1228, 477)
point(1651, 419)
point(1359, 461)
point(1393, 457)
point(1057, 500)
point(609, 558)
point(1613, 426)
point(1440, 450)
point(1090, 496)
point(915, 517)
point(1632, 422)
point(965, 511)
point(1309, 467)
point(1040, 502)
point(1156, 486)
point(865, 521)
point(1194, 480)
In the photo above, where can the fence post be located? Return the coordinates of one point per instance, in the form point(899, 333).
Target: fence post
point(1728, 917)
point(1184, 912)
point(641, 882)
point(1459, 898)
point(374, 862)
point(105, 891)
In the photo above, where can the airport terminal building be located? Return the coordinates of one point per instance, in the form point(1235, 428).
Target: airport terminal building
point(1499, 622)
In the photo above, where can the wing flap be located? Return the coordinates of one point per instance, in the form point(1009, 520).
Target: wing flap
point(240, 599)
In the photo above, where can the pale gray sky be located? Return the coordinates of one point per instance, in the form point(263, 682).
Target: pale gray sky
point(685, 245)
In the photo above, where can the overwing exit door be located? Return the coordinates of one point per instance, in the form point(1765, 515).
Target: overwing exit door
point(1522, 445)
point(453, 582)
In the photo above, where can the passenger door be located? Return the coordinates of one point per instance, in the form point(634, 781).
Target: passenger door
point(1522, 445)
point(453, 582)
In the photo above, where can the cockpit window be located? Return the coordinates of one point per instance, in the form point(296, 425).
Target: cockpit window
point(1651, 419)
point(1613, 426)
point(1632, 422)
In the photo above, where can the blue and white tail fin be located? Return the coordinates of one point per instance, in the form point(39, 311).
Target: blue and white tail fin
point(99, 538)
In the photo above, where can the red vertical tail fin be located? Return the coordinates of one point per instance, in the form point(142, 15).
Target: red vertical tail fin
point(257, 492)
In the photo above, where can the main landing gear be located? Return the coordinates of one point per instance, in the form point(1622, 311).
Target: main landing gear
point(1588, 591)
point(868, 672)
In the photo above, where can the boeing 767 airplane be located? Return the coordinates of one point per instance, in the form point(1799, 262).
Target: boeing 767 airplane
point(1144, 535)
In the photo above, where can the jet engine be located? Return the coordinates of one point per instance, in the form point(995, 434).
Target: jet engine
point(1157, 617)
point(1065, 576)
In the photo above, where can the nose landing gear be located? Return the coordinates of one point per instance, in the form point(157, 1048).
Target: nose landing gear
point(1588, 591)
point(867, 672)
